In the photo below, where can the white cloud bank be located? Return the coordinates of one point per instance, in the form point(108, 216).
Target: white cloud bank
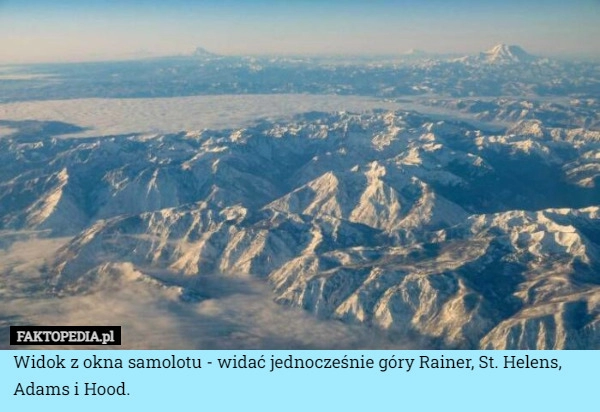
point(102, 117)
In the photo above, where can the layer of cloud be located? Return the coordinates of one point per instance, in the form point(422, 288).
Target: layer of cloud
point(101, 117)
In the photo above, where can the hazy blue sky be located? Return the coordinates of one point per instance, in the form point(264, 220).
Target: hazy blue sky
point(99, 29)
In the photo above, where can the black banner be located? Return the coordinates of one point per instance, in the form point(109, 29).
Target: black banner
point(65, 335)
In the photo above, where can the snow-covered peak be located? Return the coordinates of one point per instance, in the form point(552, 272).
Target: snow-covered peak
point(202, 52)
point(416, 53)
point(504, 53)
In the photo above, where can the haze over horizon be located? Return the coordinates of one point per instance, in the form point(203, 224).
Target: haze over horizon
point(37, 31)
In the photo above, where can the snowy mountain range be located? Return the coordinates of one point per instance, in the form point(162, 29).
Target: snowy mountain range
point(390, 219)
point(501, 71)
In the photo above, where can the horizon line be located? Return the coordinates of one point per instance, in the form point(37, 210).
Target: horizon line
point(420, 53)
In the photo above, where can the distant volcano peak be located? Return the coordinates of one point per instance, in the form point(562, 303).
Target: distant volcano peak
point(202, 52)
point(504, 53)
